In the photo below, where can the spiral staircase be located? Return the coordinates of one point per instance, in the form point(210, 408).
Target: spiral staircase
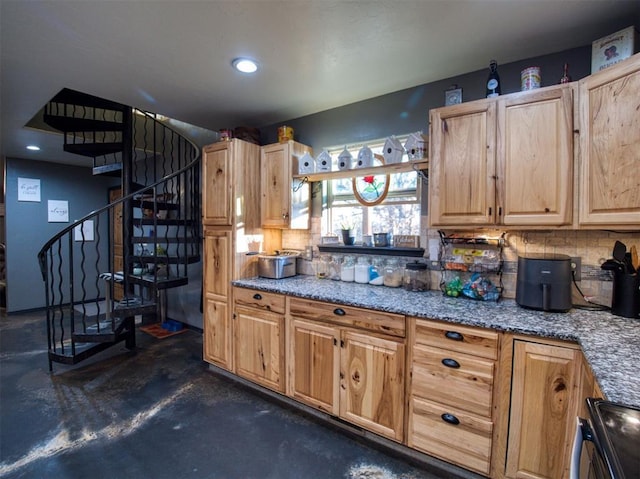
point(116, 263)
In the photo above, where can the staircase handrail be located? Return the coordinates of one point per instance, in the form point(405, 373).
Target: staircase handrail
point(42, 254)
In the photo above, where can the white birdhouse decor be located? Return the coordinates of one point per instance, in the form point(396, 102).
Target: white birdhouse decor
point(415, 146)
point(323, 161)
point(392, 151)
point(306, 164)
point(344, 160)
point(365, 158)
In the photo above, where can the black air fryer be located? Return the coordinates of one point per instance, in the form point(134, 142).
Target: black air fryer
point(544, 282)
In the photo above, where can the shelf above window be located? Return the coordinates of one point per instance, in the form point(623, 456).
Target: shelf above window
point(374, 170)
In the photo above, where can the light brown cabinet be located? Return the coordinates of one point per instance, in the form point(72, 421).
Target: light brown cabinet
point(230, 210)
point(285, 201)
point(451, 392)
point(216, 317)
point(544, 403)
point(610, 147)
point(505, 161)
point(338, 362)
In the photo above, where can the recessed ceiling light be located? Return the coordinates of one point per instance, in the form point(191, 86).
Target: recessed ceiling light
point(245, 65)
point(33, 148)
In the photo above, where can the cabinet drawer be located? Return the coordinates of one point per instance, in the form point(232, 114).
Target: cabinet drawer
point(385, 323)
point(458, 380)
point(467, 443)
point(456, 338)
point(259, 299)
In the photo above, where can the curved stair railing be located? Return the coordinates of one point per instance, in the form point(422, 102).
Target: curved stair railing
point(114, 263)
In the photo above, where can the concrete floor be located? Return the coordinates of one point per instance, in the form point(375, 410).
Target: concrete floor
point(161, 413)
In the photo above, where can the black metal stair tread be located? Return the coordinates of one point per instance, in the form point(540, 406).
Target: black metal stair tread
point(158, 205)
point(101, 331)
point(162, 239)
point(190, 259)
point(72, 124)
point(110, 169)
point(73, 97)
point(165, 222)
point(93, 149)
point(150, 281)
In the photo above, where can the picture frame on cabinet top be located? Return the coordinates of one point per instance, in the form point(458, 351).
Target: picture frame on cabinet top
point(453, 96)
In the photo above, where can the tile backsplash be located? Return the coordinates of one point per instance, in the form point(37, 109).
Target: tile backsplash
point(592, 246)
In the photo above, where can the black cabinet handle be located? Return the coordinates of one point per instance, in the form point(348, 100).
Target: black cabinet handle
point(257, 296)
point(450, 418)
point(451, 363)
point(456, 336)
point(339, 312)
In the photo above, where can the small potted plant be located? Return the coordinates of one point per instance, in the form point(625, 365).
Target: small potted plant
point(347, 233)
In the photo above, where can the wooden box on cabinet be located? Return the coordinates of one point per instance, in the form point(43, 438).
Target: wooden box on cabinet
point(505, 161)
point(285, 201)
point(340, 363)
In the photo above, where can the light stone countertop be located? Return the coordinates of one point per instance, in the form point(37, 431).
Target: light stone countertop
point(610, 343)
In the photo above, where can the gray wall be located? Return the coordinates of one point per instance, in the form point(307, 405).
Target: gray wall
point(407, 110)
point(27, 226)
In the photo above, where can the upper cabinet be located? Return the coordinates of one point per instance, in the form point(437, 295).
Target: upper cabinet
point(230, 185)
point(285, 201)
point(505, 161)
point(610, 147)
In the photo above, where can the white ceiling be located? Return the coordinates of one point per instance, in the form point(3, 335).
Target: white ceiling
point(173, 56)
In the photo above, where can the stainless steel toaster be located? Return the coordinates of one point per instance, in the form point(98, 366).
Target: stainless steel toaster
point(281, 264)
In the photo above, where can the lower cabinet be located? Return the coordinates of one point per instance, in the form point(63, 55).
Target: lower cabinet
point(451, 392)
point(259, 338)
point(545, 381)
point(336, 365)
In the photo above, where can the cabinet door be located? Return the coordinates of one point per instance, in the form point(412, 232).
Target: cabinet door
point(543, 410)
point(610, 146)
point(259, 347)
point(217, 333)
point(217, 257)
point(276, 175)
point(462, 164)
point(216, 317)
point(217, 184)
point(372, 383)
point(314, 364)
point(535, 157)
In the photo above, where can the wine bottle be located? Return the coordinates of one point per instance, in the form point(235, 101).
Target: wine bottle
point(565, 74)
point(493, 82)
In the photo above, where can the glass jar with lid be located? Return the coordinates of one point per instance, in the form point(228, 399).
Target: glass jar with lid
point(416, 277)
point(334, 267)
point(362, 270)
point(393, 273)
point(376, 272)
point(348, 269)
point(322, 266)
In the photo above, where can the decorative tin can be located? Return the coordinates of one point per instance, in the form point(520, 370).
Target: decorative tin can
point(530, 78)
point(285, 133)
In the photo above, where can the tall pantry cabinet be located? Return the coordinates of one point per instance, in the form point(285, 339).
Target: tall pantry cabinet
point(230, 212)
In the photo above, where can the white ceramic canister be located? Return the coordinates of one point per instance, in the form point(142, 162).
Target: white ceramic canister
point(530, 78)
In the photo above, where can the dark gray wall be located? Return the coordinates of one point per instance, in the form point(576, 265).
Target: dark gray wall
point(407, 110)
point(27, 226)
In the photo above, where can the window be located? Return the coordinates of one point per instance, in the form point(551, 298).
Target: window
point(399, 213)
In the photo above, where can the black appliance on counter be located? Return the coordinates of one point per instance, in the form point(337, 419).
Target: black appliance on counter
point(544, 282)
point(611, 440)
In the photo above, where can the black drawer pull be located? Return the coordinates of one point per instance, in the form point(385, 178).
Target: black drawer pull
point(451, 363)
point(257, 296)
point(454, 335)
point(450, 418)
point(339, 312)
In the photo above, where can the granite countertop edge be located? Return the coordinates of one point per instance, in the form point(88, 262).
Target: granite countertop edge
point(611, 344)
